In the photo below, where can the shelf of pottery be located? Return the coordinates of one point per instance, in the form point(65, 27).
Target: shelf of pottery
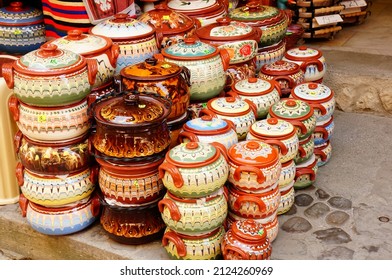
point(355, 11)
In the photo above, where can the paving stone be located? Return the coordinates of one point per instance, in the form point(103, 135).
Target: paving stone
point(333, 236)
point(338, 253)
point(340, 202)
point(317, 210)
point(303, 199)
point(296, 224)
point(337, 218)
point(321, 194)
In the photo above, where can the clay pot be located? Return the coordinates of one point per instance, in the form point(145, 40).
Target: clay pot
point(50, 124)
point(189, 247)
point(323, 153)
point(60, 220)
point(175, 127)
point(323, 131)
point(306, 173)
point(287, 174)
point(166, 79)
point(206, 63)
point(100, 48)
point(287, 198)
point(294, 34)
point(305, 150)
point(311, 61)
point(53, 158)
point(194, 169)
point(50, 76)
point(246, 240)
point(270, 54)
point(22, 28)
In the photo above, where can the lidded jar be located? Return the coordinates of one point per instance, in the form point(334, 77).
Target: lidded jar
point(246, 240)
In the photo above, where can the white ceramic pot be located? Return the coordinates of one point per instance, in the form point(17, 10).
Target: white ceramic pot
point(287, 198)
point(287, 175)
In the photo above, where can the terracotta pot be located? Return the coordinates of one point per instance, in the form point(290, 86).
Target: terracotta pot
point(306, 173)
point(53, 158)
point(240, 71)
point(166, 79)
point(323, 131)
point(175, 127)
point(270, 54)
point(254, 166)
point(246, 240)
point(305, 150)
point(188, 247)
point(49, 124)
point(323, 153)
point(311, 61)
point(50, 76)
point(294, 34)
point(206, 63)
point(287, 198)
point(287, 175)
point(100, 48)
point(60, 220)
point(194, 169)
point(22, 28)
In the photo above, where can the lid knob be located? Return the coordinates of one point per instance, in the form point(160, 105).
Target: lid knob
point(206, 118)
point(280, 62)
point(254, 6)
point(74, 34)
point(48, 50)
point(303, 48)
point(312, 86)
point(252, 80)
point(252, 145)
point(223, 21)
point(151, 61)
point(272, 121)
point(230, 99)
point(131, 99)
point(190, 40)
point(121, 17)
point(191, 145)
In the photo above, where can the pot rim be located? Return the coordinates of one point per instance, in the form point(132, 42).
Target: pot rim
point(295, 70)
point(57, 144)
point(235, 191)
point(326, 122)
point(296, 58)
point(55, 177)
point(53, 108)
point(222, 130)
point(194, 200)
point(310, 163)
point(256, 93)
point(62, 209)
point(307, 116)
point(127, 170)
point(210, 234)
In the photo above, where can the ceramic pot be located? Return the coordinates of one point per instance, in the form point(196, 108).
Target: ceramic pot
point(299, 113)
point(279, 133)
point(206, 63)
point(49, 124)
point(174, 26)
point(287, 175)
point(240, 71)
point(241, 112)
point(287, 74)
point(60, 220)
point(53, 158)
point(246, 240)
point(194, 216)
point(208, 129)
point(272, 21)
point(50, 76)
point(287, 198)
point(131, 126)
point(311, 61)
point(254, 166)
point(175, 127)
point(194, 169)
point(306, 173)
point(323, 153)
point(166, 79)
point(137, 40)
point(270, 54)
point(55, 191)
point(130, 184)
point(294, 35)
point(261, 92)
point(323, 131)
point(305, 150)
point(100, 48)
point(22, 28)
point(189, 247)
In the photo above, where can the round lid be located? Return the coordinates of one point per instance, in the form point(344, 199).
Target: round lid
point(249, 230)
point(132, 110)
point(122, 26)
point(302, 53)
point(291, 109)
point(253, 86)
point(256, 12)
point(253, 153)
point(312, 92)
point(272, 127)
point(192, 154)
point(16, 14)
point(151, 69)
point(207, 125)
point(280, 68)
point(228, 106)
point(194, 7)
point(190, 49)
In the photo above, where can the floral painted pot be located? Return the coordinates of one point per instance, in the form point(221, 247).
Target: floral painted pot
point(323, 131)
point(278, 133)
point(92, 46)
point(323, 153)
point(53, 158)
point(287, 198)
point(287, 175)
point(137, 40)
point(194, 216)
point(311, 61)
point(306, 173)
point(246, 240)
point(305, 150)
point(60, 220)
point(240, 71)
point(194, 169)
point(22, 28)
point(48, 124)
point(175, 127)
point(208, 129)
point(55, 191)
point(299, 113)
point(50, 76)
point(206, 63)
point(319, 96)
point(270, 54)
point(193, 247)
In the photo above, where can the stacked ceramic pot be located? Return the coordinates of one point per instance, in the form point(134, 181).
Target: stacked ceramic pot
point(50, 108)
point(194, 207)
point(129, 142)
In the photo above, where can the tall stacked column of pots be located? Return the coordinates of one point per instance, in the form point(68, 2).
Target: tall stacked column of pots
point(129, 143)
point(195, 206)
point(49, 105)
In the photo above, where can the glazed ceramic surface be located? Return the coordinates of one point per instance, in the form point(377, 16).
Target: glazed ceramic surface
point(287, 198)
point(240, 71)
point(287, 175)
point(306, 173)
point(270, 54)
point(175, 127)
point(305, 150)
point(323, 131)
point(323, 153)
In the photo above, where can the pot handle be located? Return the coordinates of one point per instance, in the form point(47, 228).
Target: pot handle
point(299, 125)
point(95, 205)
point(94, 171)
point(173, 171)
point(277, 86)
point(114, 53)
point(288, 79)
point(301, 151)
point(323, 131)
point(186, 134)
point(320, 107)
point(233, 94)
point(19, 172)
point(249, 198)
point(225, 56)
point(247, 168)
point(207, 112)
point(159, 57)
point(158, 38)
point(173, 209)
point(235, 249)
point(173, 237)
point(319, 64)
point(18, 140)
point(282, 147)
point(252, 106)
point(222, 148)
point(92, 70)
point(7, 70)
point(321, 154)
point(13, 106)
point(305, 171)
point(186, 74)
point(23, 203)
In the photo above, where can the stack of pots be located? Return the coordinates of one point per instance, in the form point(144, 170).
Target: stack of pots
point(194, 207)
point(55, 174)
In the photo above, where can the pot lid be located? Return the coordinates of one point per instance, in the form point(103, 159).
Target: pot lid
point(280, 68)
point(122, 26)
point(249, 230)
point(258, 13)
point(194, 7)
point(17, 14)
point(228, 106)
point(207, 125)
point(291, 109)
point(151, 69)
point(253, 86)
point(253, 153)
point(272, 127)
point(302, 53)
point(190, 49)
point(312, 92)
point(132, 110)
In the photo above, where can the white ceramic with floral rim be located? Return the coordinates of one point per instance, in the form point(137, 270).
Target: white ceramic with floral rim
point(287, 174)
point(306, 173)
point(323, 153)
point(323, 131)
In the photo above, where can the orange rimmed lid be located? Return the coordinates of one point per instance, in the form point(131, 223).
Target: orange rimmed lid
point(249, 230)
point(280, 68)
point(190, 48)
point(229, 106)
point(302, 53)
point(253, 87)
point(312, 92)
point(291, 109)
point(272, 128)
point(207, 125)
